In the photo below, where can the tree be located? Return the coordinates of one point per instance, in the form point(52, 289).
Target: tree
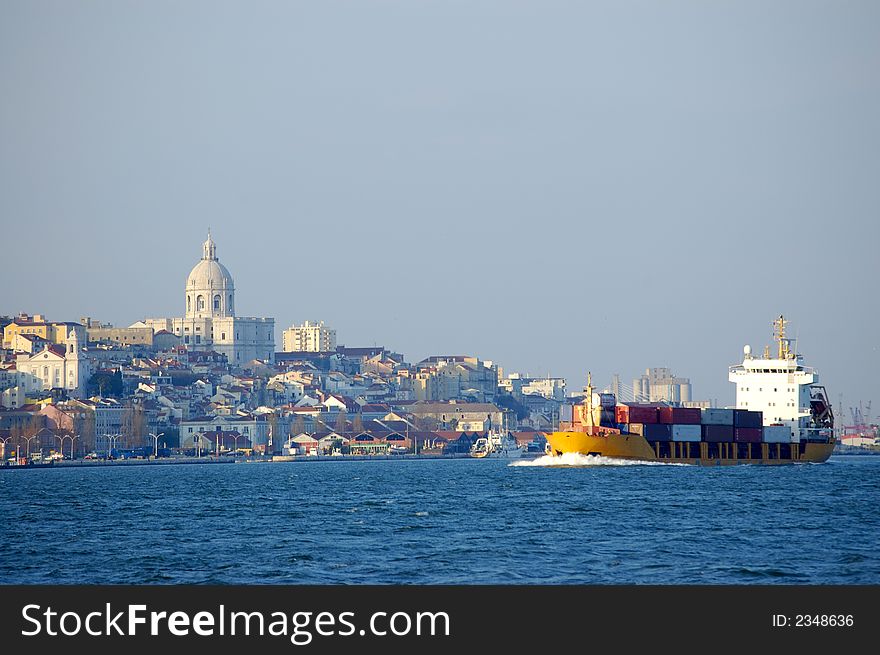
point(84, 426)
point(341, 422)
point(171, 438)
point(357, 423)
point(134, 425)
point(427, 423)
point(507, 401)
point(299, 426)
point(105, 383)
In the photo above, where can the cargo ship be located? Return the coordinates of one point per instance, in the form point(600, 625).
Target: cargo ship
point(782, 416)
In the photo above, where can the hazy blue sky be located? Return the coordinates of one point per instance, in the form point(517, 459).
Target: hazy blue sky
point(556, 186)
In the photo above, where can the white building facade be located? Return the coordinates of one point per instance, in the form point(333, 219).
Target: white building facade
point(55, 367)
point(308, 337)
point(210, 322)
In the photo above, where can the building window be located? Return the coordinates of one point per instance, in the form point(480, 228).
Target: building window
point(223, 336)
point(217, 303)
point(189, 303)
point(200, 303)
point(198, 338)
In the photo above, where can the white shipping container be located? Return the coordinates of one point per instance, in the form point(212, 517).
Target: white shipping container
point(714, 416)
point(777, 434)
point(685, 432)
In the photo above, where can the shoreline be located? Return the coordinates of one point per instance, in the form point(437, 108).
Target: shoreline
point(278, 459)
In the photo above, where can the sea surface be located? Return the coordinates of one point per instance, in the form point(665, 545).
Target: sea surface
point(443, 522)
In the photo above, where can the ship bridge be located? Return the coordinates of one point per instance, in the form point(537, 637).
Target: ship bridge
point(781, 387)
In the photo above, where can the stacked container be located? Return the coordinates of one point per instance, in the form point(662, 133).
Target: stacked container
point(636, 414)
point(686, 432)
point(777, 434)
point(747, 435)
point(717, 433)
point(715, 416)
point(651, 431)
point(679, 415)
point(744, 418)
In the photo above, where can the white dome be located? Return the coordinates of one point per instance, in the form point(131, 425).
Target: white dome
point(209, 287)
point(209, 274)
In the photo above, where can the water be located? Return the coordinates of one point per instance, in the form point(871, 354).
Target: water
point(443, 522)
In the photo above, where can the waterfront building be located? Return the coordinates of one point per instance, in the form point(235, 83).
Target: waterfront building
point(210, 323)
point(478, 417)
point(308, 337)
point(254, 427)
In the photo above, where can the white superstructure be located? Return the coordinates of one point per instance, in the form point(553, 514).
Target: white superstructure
point(783, 389)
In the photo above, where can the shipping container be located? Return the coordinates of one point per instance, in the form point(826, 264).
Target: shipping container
point(744, 418)
point(608, 418)
point(683, 415)
point(777, 434)
point(713, 416)
point(686, 432)
point(717, 433)
point(634, 428)
point(608, 400)
point(636, 414)
point(747, 435)
point(657, 432)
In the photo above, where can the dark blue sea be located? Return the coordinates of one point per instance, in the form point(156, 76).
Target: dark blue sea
point(443, 522)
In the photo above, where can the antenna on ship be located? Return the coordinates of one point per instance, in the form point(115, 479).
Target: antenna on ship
point(779, 336)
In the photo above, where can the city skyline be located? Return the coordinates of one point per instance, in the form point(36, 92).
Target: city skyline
point(515, 181)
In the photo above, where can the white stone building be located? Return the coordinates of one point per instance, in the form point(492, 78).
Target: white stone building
point(55, 367)
point(210, 322)
point(308, 337)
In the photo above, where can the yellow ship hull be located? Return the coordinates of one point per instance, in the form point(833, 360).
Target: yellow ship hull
point(636, 447)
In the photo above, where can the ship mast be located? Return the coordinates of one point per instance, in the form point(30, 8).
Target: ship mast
point(784, 345)
point(588, 403)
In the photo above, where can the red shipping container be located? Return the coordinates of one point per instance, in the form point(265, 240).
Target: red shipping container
point(748, 435)
point(636, 414)
point(680, 415)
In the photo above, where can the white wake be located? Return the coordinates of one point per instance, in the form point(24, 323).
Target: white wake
point(576, 459)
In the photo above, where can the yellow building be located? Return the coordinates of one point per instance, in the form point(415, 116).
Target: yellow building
point(55, 332)
point(25, 324)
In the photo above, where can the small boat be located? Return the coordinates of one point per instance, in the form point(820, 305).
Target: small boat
point(497, 446)
point(481, 448)
point(504, 446)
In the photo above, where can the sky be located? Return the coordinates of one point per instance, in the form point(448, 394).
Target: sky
point(558, 187)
